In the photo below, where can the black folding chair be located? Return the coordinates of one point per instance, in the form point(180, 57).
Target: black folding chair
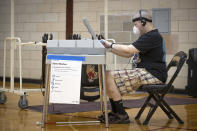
point(158, 91)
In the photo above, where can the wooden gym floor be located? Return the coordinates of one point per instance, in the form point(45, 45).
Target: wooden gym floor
point(14, 119)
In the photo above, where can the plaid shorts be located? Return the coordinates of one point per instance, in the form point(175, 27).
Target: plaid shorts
point(129, 80)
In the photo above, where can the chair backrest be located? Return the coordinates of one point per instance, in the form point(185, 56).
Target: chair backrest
point(177, 61)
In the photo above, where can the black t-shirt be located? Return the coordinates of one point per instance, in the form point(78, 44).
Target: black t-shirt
point(151, 54)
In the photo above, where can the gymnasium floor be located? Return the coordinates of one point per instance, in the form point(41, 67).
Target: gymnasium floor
point(14, 119)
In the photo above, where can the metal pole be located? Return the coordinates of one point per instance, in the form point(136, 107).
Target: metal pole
point(105, 96)
point(106, 27)
point(106, 18)
point(103, 66)
point(12, 18)
point(101, 88)
point(44, 112)
point(4, 63)
point(12, 48)
point(69, 122)
point(20, 67)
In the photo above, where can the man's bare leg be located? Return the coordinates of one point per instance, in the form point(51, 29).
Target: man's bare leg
point(120, 116)
point(112, 90)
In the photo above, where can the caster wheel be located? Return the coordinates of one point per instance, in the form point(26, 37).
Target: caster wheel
point(23, 103)
point(3, 98)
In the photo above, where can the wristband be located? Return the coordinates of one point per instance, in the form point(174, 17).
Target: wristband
point(101, 41)
point(112, 45)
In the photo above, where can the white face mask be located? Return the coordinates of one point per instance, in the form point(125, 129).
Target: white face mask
point(136, 30)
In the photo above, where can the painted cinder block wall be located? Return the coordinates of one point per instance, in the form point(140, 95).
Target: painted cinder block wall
point(183, 25)
point(33, 18)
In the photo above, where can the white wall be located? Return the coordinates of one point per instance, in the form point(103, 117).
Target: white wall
point(183, 21)
point(35, 17)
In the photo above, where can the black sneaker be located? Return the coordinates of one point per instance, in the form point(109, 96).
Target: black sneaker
point(119, 119)
point(102, 117)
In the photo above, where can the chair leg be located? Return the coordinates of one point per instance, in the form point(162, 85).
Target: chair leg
point(143, 107)
point(152, 110)
point(172, 112)
point(158, 99)
point(150, 114)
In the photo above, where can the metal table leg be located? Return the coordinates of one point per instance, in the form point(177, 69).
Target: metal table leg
point(46, 95)
point(105, 96)
point(101, 88)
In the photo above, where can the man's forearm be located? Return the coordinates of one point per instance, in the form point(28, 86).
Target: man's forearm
point(124, 50)
point(120, 53)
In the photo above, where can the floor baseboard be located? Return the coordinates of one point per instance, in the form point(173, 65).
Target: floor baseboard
point(25, 80)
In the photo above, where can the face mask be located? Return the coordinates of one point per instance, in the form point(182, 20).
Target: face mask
point(136, 30)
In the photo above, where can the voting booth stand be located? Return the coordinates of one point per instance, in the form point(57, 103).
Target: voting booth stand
point(63, 74)
point(63, 71)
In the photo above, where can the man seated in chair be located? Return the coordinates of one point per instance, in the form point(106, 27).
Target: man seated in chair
point(151, 67)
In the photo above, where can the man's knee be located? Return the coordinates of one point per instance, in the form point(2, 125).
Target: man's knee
point(109, 74)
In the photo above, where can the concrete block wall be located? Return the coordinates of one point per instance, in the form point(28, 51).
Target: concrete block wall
point(120, 29)
point(91, 9)
point(33, 18)
point(4, 28)
point(183, 24)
